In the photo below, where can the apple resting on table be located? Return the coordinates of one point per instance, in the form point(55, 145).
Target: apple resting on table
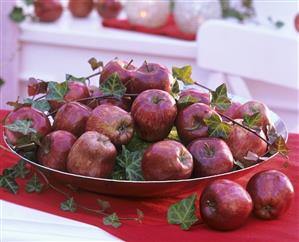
point(108, 8)
point(40, 123)
point(47, 10)
point(225, 205)
point(81, 8)
point(166, 160)
point(150, 76)
point(113, 122)
point(55, 148)
point(93, 154)
point(211, 156)
point(154, 112)
point(190, 124)
point(272, 193)
point(241, 141)
point(72, 117)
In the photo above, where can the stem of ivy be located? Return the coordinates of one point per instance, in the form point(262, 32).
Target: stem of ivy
point(40, 97)
point(92, 75)
point(202, 86)
point(18, 147)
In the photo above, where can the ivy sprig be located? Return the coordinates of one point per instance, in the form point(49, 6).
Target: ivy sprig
point(113, 86)
point(217, 127)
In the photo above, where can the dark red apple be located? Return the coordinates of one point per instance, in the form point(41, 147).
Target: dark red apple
point(296, 22)
point(225, 205)
point(272, 193)
point(166, 160)
point(108, 8)
point(190, 124)
point(252, 107)
point(211, 156)
point(202, 97)
point(40, 122)
point(93, 155)
point(151, 76)
point(113, 122)
point(122, 68)
point(72, 117)
point(55, 148)
point(230, 111)
point(241, 141)
point(47, 10)
point(80, 8)
point(154, 112)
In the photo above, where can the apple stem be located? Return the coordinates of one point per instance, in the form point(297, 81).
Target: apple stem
point(146, 65)
point(127, 66)
point(202, 86)
point(92, 75)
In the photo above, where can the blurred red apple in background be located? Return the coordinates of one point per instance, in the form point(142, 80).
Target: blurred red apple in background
point(93, 155)
point(55, 148)
point(211, 156)
point(225, 205)
point(72, 117)
point(166, 160)
point(272, 193)
point(113, 122)
point(154, 112)
point(296, 22)
point(108, 8)
point(80, 8)
point(47, 10)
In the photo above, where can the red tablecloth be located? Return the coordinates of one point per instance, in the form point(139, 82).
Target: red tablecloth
point(154, 226)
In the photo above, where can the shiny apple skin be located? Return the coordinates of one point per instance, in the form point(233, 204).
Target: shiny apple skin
point(272, 193)
point(166, 160)
point(119, 67)
point(40, 122)
point(230, 111)
point(93, 155)
point(211, 156)
point(202, 97)
point(113, 122)
point(158, 77)
point(108, 9)
point(241, 141)
point(47, 10)
point(191, 116)
point(55, 148)
point(72, 117)
point(81, 8)
point(153, 121)
point(250, 108)
point(225, 205)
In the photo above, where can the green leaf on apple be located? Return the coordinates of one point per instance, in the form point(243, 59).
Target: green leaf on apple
point(137, 144)
point(17, 15)
point(34, 184)
point(21, 126)
point(113, 86)
point(41, 104)
point(69, 205)
point(95, 64)
point(112, 220)
point(30, 138)
point(183, 212)
point(279, 146)
point(57, 91)
point(183, 74)
point(220, 98)
point(252, 121)
point(187, 101)
point(69, 77)
point(173, 135)
point(103, 204)
point(175, 89)
point(217, 127)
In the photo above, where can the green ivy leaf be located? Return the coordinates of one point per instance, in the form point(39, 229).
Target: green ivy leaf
point(183, 74)
point(20, 169)
point(175, 89)
point(187, 101)
point(137, 144)
point(69, 205)
point(17, 15)
point(57, 91)
point(183, 212)
point(112, 220)
point(239, 164)
point(95, 64)
point(41, 105)
point(279, 146)
point(173, 134)
point(21, 126)
point(119, 173)
point(252, 121)
point(113, 86)
point(217, 127)
point(9, 184)
point(103, 204)
point(220, 98)
point(69, 77)
point(34, 184)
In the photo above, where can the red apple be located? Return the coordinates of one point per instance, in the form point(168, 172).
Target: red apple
point(202, 97)
point(151, 76)
point(80, 8)
point(211, 157)
point(47, 10)
point(190, 124)
point(122, 68)
point(225, 205)
point(55, 148)
point(241, 141)
point(113, 122)
point(108, 8)
point(166, 160)
point(72, 117)
point(93, 155)
point(296, 22)
point(230, 111)
point(154, 112)
point(252, 107)
point(272, 193)
point(40, 123)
